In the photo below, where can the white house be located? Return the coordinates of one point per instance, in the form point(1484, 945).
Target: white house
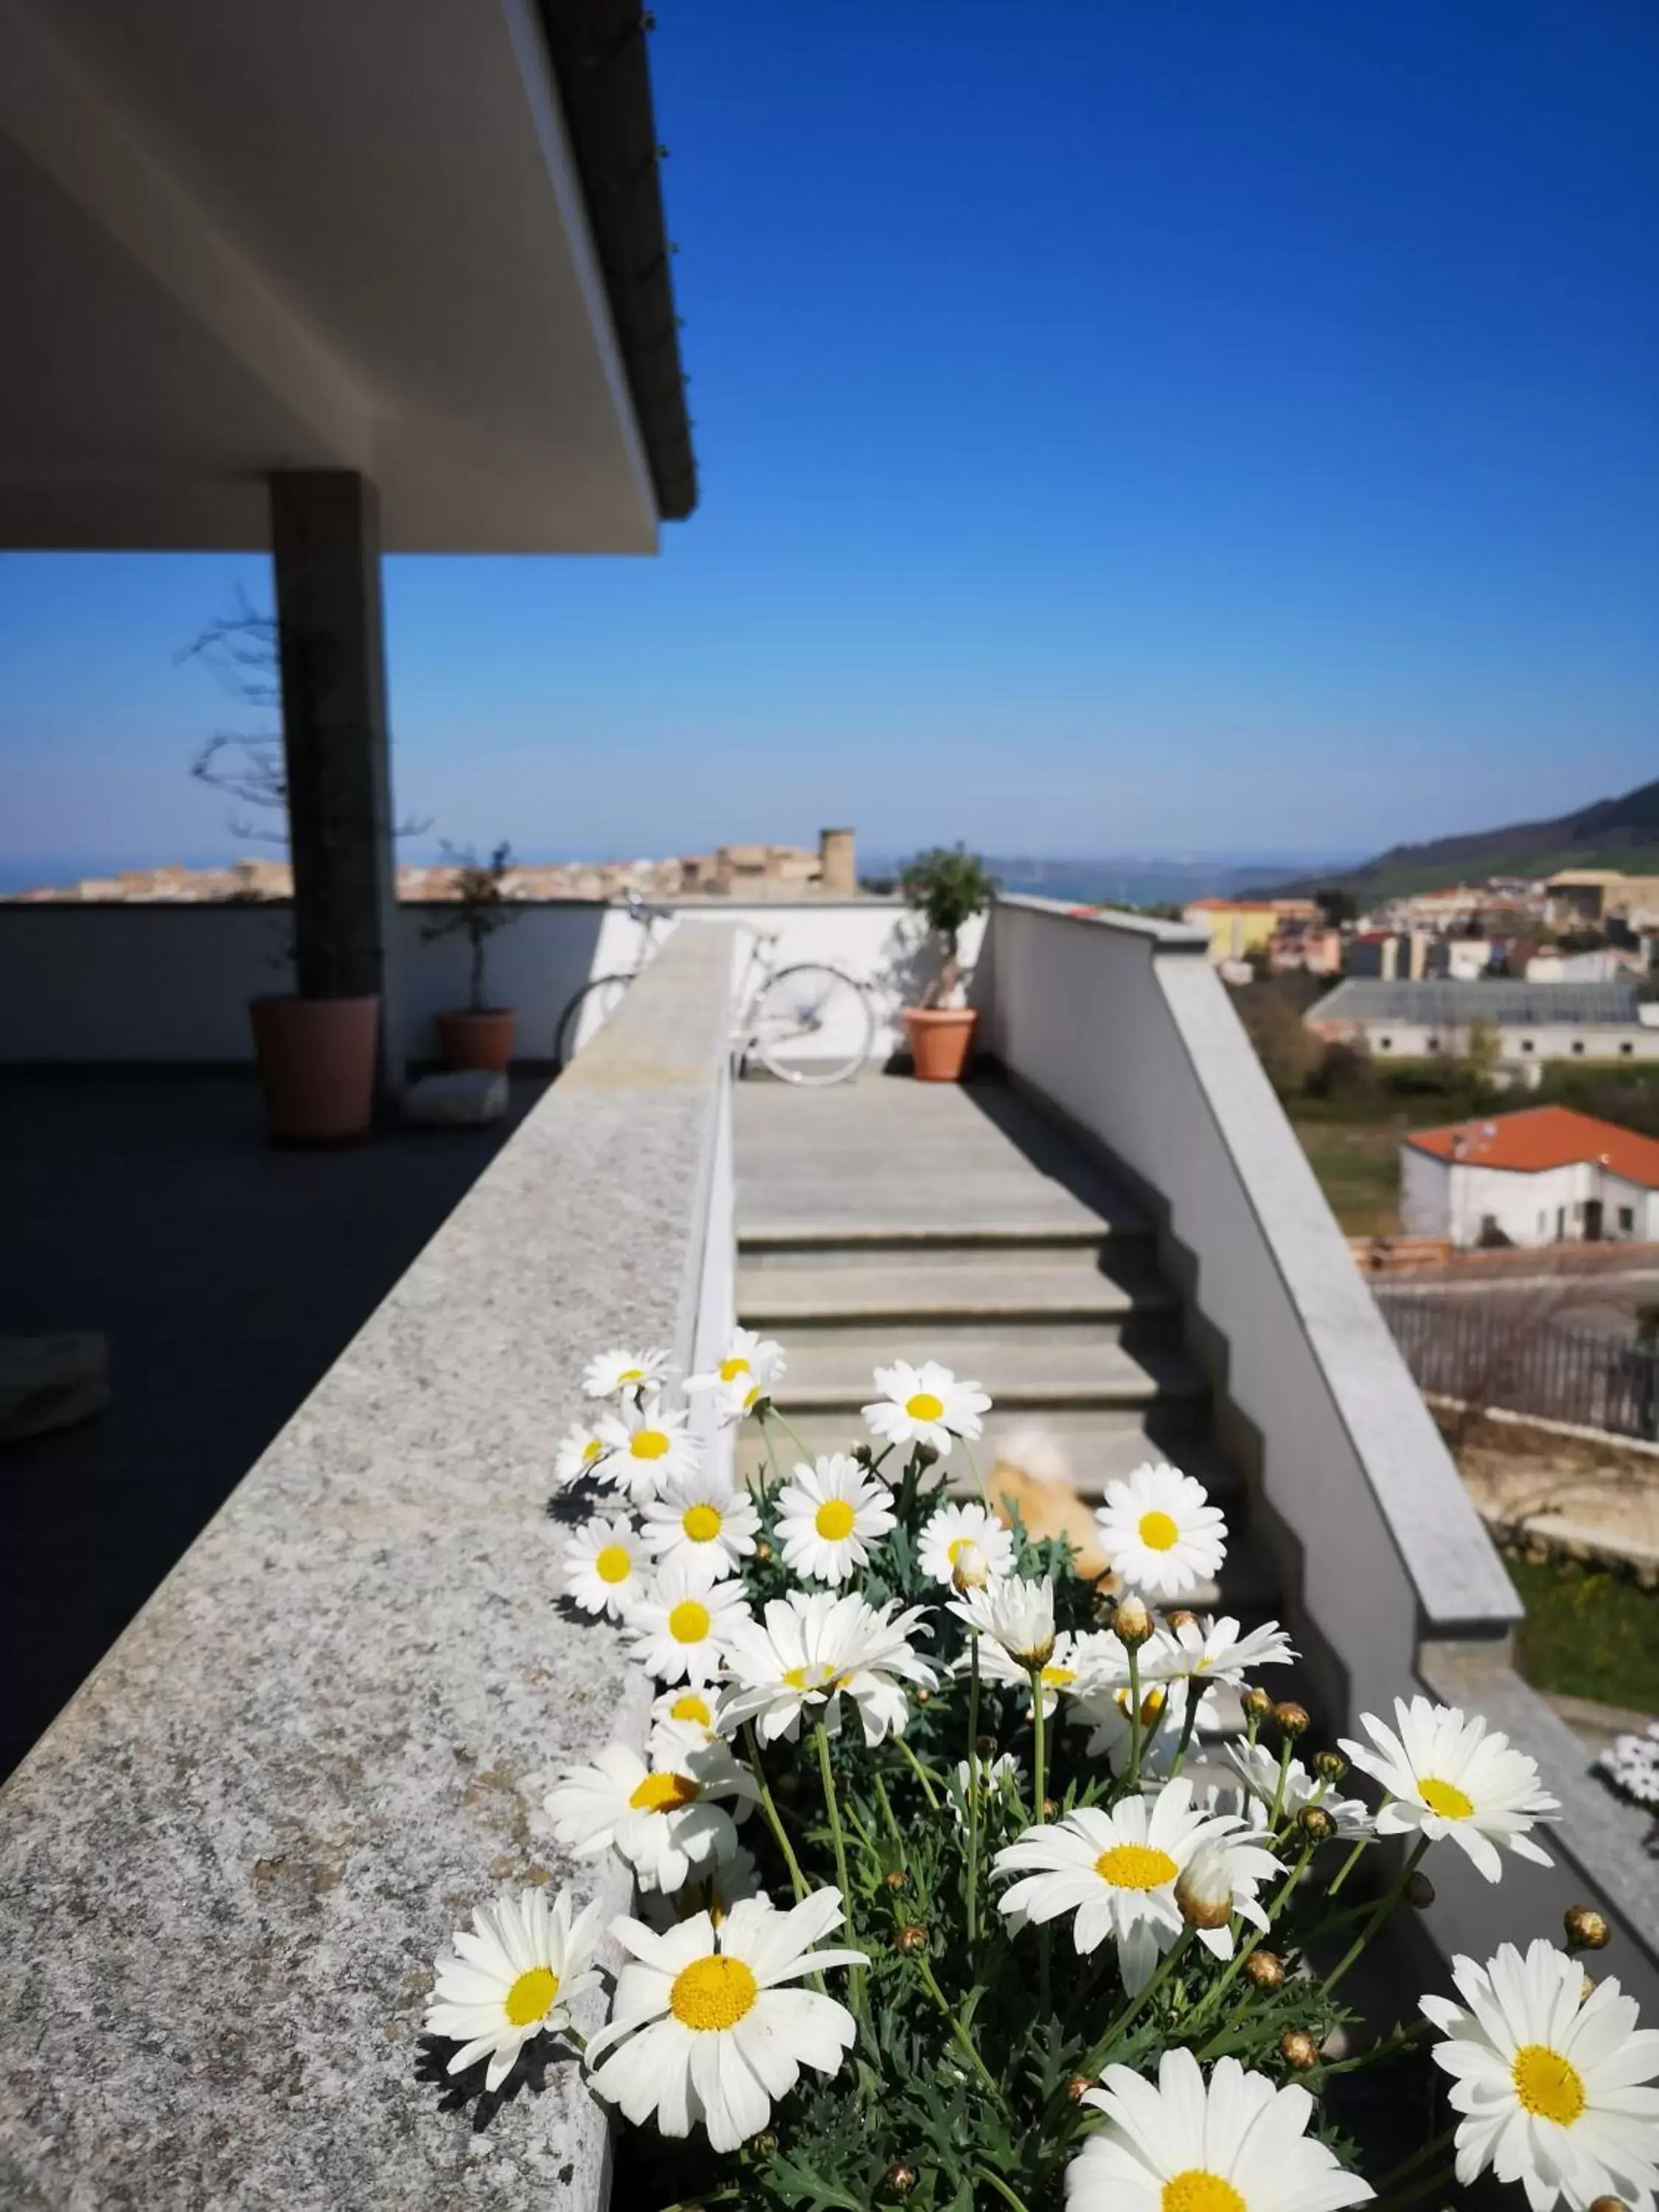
point(1545, 1176)
point(1532, 1022)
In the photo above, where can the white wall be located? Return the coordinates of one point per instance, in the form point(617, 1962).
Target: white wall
point(1446, 1198)
point(1409, 1040)
point(170, 984)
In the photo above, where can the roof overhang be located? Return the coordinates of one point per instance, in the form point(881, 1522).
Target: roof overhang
point(300, 234)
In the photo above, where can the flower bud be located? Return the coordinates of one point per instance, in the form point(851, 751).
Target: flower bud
point(971, 1568)
point(911, 1938)
point(921, 1697)
point(899, 2179)
point(985, 1746)
point(1608, 2205)
point(1204, 1889)
point(788, 1783)
point(1316, 1824)
point(1586, 1929)
point(1292, 1720)
point(762, 1549)
point(1180, 1618)
point(896, 1878)
point(1078, 2086)
point(1329, 1765)
point(1297, 2048)
point(763, 2145)
point(865, 1454)
point(926, 1457)
point(1257, 1704)
point(1265, 1969)
point(1587, 1989)
point(1133, 1622)
point(1051, 1808)
point(1419, 1891)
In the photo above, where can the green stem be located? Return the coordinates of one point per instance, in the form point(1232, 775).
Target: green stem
point(887, 1814)
point(964, 2042)
point(920, 1773)
point(984, 2174)
point(1347, 1866)
point(1194, 1698)
point(1040, 1773)
point(979, 1479)
point(1133, 1773)
point(973, 1787)
point(1277, 1805)
point(833, 1808)
point(798, 1881)
point(1130, 2012)
point(771, 1455)
point(794, 1435)
point(1385, 1906)
point(1207, 2005)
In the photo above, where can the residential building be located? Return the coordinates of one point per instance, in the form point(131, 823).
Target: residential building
point(1532, 1022)
point(1387, 956)
point(1240, 927)
point(1605, 964)
point(1544, 1176)
point(1307, 946)
point(1597, 896)
point(1462, 959)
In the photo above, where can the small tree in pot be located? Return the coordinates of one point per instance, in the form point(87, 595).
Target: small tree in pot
point(477, 1034)
point(947, 886)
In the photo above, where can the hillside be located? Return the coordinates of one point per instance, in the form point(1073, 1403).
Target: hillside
point(1612, 833)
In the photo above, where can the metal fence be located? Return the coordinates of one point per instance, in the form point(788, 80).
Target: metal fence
point(1491, 1355)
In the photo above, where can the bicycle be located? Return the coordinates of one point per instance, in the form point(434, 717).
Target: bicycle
point(808, 1003)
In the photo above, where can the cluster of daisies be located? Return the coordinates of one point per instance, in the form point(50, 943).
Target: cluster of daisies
point(1194, 1841)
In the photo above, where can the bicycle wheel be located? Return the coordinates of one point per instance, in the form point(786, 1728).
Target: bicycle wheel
point(587, 1014)
point(811, 1026)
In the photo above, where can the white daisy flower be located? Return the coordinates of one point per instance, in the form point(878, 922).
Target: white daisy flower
point(1551, 2086)
point(748, 1375)
point(1214, 1647)
point(814, 1648)
point(684, 1716)
point(647, 1448)
point(703, 2031)
point(992, 1773)
point(956, 1533)
point(514, 1973)
point(1117, 1871)
point(602, 1567)
point(713, 1889)
point(1160, 1532)
point(830, 1516)
point(702, 1516)
point(1069, 1670)
point(678, 1625)
point(1446, 1776)
point(1015, 1613)
point(580, 1451)
point(663, 1819)
point(1162, 1722)
point(1219, 1879)
point(1235, 2144)
point(925, 1405)
point(1258, 1771)
point(624, 1374)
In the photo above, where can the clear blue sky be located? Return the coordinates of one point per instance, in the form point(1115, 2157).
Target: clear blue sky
point(1159, 426)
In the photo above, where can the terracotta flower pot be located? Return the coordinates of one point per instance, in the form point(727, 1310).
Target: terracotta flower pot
point(485, 1039)
point(316, 1058)
point(940, 1039)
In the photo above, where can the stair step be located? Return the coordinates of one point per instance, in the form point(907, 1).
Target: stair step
point(816, 1243)
point(969, 1286)
point(1039, 1371)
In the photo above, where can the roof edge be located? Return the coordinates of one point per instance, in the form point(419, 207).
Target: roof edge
point(603, 79)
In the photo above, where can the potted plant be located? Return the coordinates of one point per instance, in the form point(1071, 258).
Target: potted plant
point(477, 1034)
point(947, 886)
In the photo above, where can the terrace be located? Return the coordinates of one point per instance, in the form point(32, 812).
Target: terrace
point(333, 1720)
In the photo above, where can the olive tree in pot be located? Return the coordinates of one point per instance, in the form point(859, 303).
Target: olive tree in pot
point(947, 886)
point(477, 1034)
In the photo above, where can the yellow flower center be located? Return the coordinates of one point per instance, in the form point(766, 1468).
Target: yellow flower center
point(648, 1444)
point(1546, 2085)
point(1444, 1798)
point(613, 1564)
point(834, 1519)
point(1151, 1706)
point(818, 1676)
point(591, 1448)
point(666, 1793)
point(1159, 1534)
point(731, 1369)
point(713, 1993)
point(1060, 1678)
point(689, 1621)
point(632, 1375)
point(691, 1707)
point(1198, 2190)
point(924, 1406)
point(531, 1997)
point(1136, 1866)
point(702, 1523)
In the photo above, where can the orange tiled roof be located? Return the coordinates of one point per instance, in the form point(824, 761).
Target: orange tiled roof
point(1541, 1137)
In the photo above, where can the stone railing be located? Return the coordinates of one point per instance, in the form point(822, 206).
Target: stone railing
point(225, 1869)
point(1119, 1027)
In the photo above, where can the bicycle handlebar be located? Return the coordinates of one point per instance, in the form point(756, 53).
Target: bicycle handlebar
point(642, 909)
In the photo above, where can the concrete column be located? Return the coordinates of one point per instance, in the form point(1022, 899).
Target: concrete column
point(326, 548)
point(838, 870)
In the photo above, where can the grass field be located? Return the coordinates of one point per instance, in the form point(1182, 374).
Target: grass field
point(1357, 1164)
point(1588, 1634)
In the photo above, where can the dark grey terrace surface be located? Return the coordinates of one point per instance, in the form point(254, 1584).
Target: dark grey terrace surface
point(227, 1277)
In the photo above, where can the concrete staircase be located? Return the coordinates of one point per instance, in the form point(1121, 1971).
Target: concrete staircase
point(953, 1225)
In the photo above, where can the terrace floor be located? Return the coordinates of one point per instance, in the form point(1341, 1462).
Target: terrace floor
point(227, 1277)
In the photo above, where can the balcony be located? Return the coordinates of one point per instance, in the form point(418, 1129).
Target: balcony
point(228, 1862)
